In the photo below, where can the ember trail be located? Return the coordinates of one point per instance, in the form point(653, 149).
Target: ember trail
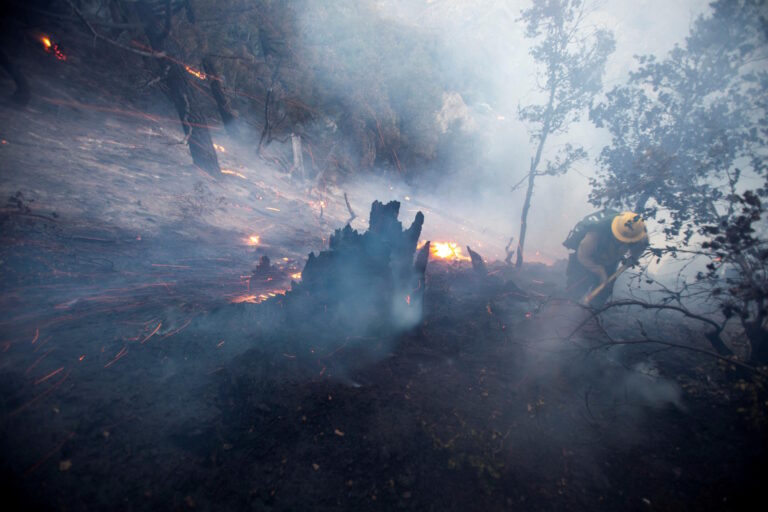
point(380, 254)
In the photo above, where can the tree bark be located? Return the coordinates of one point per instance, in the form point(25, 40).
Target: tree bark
point(535, 165)
point(529, 192)
point(228, 116)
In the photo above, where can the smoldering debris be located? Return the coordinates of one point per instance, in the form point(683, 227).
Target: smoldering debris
point(351, 302)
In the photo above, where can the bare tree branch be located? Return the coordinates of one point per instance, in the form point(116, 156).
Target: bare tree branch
point(352, 215)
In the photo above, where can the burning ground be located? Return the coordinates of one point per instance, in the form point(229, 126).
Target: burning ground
point(161, 344)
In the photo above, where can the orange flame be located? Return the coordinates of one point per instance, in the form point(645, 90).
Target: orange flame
point(50, 46)
point(253, 240)
point(196, 73)
point(219, 148)
point(447, 251)
point(297, 275)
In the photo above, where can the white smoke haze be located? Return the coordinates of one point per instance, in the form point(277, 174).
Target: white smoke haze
point(481, 48)
point(213, 338)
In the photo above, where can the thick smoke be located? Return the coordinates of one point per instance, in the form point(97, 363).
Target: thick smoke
point(459, 82)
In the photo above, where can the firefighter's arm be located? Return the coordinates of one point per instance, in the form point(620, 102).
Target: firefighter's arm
point(585, 254)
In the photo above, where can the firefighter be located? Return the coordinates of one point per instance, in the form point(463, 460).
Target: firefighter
point(602, 242)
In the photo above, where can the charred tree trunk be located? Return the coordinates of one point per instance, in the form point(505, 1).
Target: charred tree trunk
point(524, 217)
point(532, 173)
point(228, 116)
point(156, 17)
point(192, 121)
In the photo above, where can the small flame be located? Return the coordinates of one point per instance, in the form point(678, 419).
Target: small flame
point(297, 275)
point(253, 240)
point(46, 42)
point(447, 251)
point(219, 148)
point(195, 73)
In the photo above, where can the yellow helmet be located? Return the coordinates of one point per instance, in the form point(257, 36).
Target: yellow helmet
point(628, 227)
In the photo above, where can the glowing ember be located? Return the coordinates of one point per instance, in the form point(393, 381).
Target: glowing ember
point(297, 275)
point(220, 149)
point(52, 47)
point(195, 73)
point(251, 299)
point(447, 251)
point(233, 173)
point(253, 240)
point(256, 299)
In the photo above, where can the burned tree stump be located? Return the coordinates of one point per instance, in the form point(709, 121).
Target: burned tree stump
point(365, 284)
point(478, 265)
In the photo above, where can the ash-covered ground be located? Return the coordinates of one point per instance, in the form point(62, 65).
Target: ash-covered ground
point(145, 364)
